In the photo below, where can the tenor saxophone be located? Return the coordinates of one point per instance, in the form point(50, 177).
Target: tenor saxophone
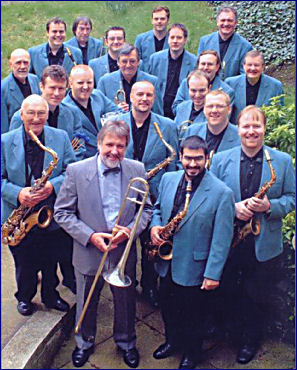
point(164, 250)
point(242, 230)
point(151, 173)
point(21, 220)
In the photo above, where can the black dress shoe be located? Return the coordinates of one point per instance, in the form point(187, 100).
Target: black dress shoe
point(131, 357)
point(246, 353)
point(59, 305)
point(164, 350)
point(189, 361)
point(151, 296)
point(25, 308)
point(81, 356)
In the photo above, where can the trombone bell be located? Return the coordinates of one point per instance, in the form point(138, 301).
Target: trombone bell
point(117, 278)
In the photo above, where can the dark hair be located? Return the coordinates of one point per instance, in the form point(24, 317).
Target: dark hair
point(118, 128)
point(181, 27)
point(212, 52)
point(160, 8)
point(193, 142)
point(85, 20)
point(127, 49)
point(55, 20)
point(227, 9)
point(55, 72)
point(115, 28)
point(197, 73)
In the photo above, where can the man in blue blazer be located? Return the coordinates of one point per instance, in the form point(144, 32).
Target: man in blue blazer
point(146, 146)
point(53, 84)
point(125, 77)
point(156, 39)
point(210, 63)
point(172, 66)
point(22, 162)
point(114, 40)
point(252, 267)
point(229, 44)
point(201, 241)
point(54, 51)
point(90, 104)
point(191, 111)
point(218, 132)
point(16, 86)
point(90, 47)
point(253, 87)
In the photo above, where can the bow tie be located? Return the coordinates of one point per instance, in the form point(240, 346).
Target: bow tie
point(114, 170)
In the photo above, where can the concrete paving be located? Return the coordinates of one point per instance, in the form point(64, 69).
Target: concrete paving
point(36, 342)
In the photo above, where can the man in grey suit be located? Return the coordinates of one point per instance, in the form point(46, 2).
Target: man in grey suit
point(87, 207)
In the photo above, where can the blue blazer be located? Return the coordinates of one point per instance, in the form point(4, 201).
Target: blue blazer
point(110, 84)
point(183, 113)
point(226, 166)
point(202, 242)
point(269, 87)
point(155, 151)
point(234, 57)
point(94, 46)
point(229, 140)
point(100, 67)
point(183, 91)
point(158, 66)
point(100, 105)
point(145, 43)
point(39, 59)
point(13, 165)
point(12, 98)
point(68, 120)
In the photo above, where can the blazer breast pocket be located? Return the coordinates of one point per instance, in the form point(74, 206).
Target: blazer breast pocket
point(200, 255)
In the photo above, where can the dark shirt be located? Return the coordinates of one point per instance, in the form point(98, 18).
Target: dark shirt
point(86, 111)
point(25, 88)
point(112, 63)
point(55, 59)
point(213, 141)
point(172, 84)
point(194, 113)
point(252, 92)
point(139, 135)
point(53, 117)
point(224, 44)
point(34, 157)
point(84, 50)
point(180, 195)
point(127, 86)
point(250, 174)
point(159, 43)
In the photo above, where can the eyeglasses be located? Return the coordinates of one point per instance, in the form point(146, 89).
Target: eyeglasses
point(120, 38)
point(218, 106)
point(125, 61)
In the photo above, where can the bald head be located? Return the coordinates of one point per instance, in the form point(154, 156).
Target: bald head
point(34, 113)
point(81, 69)
point(19, 63)
point(142, 97)
point(81, 81)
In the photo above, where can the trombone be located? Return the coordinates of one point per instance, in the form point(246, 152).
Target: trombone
point(117, 276)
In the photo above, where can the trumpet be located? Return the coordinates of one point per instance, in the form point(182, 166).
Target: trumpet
point(223, 70)
point(183, 128)
point(120, 96)
point(117, 276)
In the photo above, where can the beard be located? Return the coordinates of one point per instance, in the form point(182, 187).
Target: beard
point(110, 164)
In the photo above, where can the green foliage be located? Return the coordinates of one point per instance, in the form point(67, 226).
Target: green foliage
point(268, 25)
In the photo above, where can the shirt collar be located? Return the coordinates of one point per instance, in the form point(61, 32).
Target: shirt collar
point(257, 158)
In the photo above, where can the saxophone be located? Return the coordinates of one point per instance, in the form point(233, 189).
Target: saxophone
point(241, 231)
point(18, 223)
point(164, 250)
point(151, 173)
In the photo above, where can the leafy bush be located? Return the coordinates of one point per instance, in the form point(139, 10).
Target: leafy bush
point(268, 25)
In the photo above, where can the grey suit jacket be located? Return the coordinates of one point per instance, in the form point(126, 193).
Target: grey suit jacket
point(78, 209)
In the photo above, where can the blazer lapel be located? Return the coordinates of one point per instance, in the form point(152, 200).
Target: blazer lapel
point(18, 154)
point(263, 89)
point(170, 195)
point(15, 91)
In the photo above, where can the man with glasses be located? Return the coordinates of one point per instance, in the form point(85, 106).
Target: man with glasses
point(125, 77)
point(114, 40)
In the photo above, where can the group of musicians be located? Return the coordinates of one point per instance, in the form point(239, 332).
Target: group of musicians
point(210, 225)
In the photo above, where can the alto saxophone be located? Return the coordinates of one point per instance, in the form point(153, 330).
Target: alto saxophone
point(151, 173)
point(18, 223)
point(242, 230)
point(164, 250)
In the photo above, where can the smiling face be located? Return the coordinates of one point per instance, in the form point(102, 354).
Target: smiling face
point(253, 67)
point(115, 40)
point(198, 88)
point(142, 97)
point(19, 64)
point(193, 162)
point(56, 35)
point(226, 22)
point(53, 91)
point(128, 65)
point(112, 149)
point(160, 21)
point(34, 114)
point(208, 63)
point(217, 110)
point(81, 81)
